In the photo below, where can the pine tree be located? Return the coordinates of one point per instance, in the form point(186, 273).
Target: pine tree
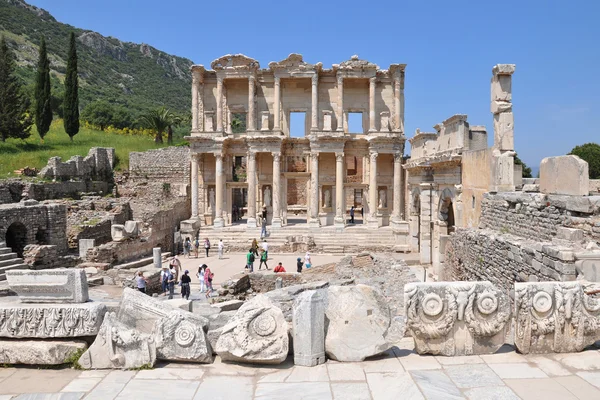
point(15, 121)
point(71, 103)
point(43, 107)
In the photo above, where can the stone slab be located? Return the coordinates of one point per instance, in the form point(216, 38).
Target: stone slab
point(49, 286)
point(38, 352)
point(159, 389)
point(51, 396)
point(31, 380)
point(535, 389)
point(183, 304)
point(436, 385)
point(350, 391)
point(19, 320)
point(230, 305)
point(472, 376)
point(226, 387)
point(285, 391)
point(567, 175)
point(393, 385)
point(491, 393)
point(84, 246)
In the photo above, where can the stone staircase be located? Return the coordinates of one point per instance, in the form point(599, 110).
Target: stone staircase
point(9, 260)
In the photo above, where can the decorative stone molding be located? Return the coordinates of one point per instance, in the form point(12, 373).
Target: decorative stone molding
point(234, 62)
point(555, 317)
point(49, 286)
point(456, 318)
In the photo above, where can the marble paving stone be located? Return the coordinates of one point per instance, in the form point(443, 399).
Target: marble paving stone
point(276, 377)
point(539, 389)
point(586, 361)
point(391, 364)
point(111, 385)
point(549, 366)
point(502, 358)
point(6, 396)
point(27, 380)
point(225, 388)
point(472, 376)
point(287, 391)
point(491, 393)
point(309, 374)
point(142, 389)
point(219, 368)
point(94, 373)
point(579, 387)
point(6, 372)
point(81, 385)
point(171, 373)
point(393, 386)
point(350, 391)
point(435, 385)
point(345, 372)
point(591, 377)
point(459, 360)
point(413, 361)
point(50, 396)
point(517, 371)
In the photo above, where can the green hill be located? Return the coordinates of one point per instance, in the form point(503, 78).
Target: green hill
point(133, 75)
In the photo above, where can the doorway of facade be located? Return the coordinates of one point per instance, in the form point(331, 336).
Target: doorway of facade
point(16, 238)
point(359, 209)
point(297, 212)
point(239, 200)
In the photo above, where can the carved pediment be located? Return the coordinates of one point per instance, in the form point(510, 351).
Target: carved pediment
point(354, 63)
point(234, 61)
point(293, 62)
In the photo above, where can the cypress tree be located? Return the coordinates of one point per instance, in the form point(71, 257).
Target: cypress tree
point(15, 121)
point(43, 109)
point(71, 103)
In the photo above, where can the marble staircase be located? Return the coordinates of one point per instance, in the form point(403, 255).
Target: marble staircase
point(9, 260)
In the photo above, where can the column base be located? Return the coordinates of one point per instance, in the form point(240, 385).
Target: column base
point(373, 223)
point(251, 223)
point(314, 223)
point(339, 223)
point(399, 226)
point(276, 223)
point(219, 222)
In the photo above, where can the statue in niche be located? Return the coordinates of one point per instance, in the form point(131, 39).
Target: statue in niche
point(211, 199)
point(267, 196)
point(382, 199)
point(327, 199)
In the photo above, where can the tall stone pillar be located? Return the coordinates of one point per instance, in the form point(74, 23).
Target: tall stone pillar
point(426, 198)
point(315, 102)
point(340, 218)
point(396, 212)
point(372, 220)
point(372, 104)
point(340, 102)
point(251, 178)
point(219, 221)
point(313, 220)
point(397, 104)
point(219, 104)
point(277, 105)
point(276, 221)
point(195, 86)
point(250, 120)
point(194, 186)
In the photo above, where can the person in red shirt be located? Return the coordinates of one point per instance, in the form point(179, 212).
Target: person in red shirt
point(279, 268)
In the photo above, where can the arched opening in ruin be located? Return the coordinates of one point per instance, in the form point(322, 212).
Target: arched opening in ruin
point(446, 209)
point(16, 238)
point(41, 236)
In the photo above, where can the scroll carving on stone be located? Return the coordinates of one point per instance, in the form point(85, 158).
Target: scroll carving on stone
point(258, 333)
point(555, 317)
point(180, 339)
point(456, 318)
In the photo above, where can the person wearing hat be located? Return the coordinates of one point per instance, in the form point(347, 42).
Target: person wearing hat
point(185, 285)
point(164, 279)
point(299, 264)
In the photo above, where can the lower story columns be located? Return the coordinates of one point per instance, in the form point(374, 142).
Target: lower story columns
point(251, 178)
point(313, 219)
point(219, 221)
point(276, 221)
point(372, 219)
point(340, 219)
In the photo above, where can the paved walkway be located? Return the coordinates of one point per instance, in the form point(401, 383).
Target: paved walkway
point(400, 374)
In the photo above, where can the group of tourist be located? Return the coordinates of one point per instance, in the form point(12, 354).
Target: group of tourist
point(253, 252)
point(188, 245)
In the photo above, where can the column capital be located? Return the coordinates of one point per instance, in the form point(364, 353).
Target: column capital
point(315, 154)
point(277, 156)
point(339, 157)
point(277, 80)
point(219, 156)
point(220, 79)
point(373, 155)
point(397, 157)
point(315, 78)
point(251, 79)
point(340, 80)
point(251, 155)
point(372, 80)
point(196, 77)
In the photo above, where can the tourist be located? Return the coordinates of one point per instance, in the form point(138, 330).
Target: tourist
point(220, 249)
point(175, 264)
point(263, 260)
point(263, 229)
point(200, 276)
point(171, 282)
point(254, 247)
point(265, 247)
point(196, 246)
point(164, 279)
point(264, 213)
point(352, 214)
point(173, 270)
point(206, 246)
point(250, 260)
point(307, 260)
point(185, 285)
point(208, 278)
point(187, 247)
point(141, 282)
point(279, 268)
point(299, 264)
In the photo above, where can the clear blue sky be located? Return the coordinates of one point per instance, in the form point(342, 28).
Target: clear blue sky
point(450, 47)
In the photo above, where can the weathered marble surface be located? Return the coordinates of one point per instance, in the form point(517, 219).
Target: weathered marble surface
point(49, 286)
point(38, 352)
point(456, 318)
point(258, 333)
point(555, 317)
point(565, 175)
point(309, 329)
point(119, 346)
point(18, 320)
point(359, 320)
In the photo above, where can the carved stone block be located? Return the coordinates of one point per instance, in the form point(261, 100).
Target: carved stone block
point(564, 175)
point(456, 318)
point(309, 329)
point(132, 228)
point(264, 121)
point(39, 352)
point(327, 120)
point(555, 317)
point(119, 346)
point(49, 286)
point(258, 333)
point(19, 320)
point(208, 121)
point(588, 265)
point(385, 121)
point(118, 233)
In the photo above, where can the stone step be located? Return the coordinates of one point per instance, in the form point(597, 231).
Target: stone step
point(2, 244)
point(11, 261)
point(5, 250)
point(141, 262)
point(9, 267)
point(8, 256)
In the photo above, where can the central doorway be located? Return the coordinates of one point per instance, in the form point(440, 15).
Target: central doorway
point(239, 205)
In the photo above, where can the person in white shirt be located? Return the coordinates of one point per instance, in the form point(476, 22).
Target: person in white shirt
point(220, 249)
point(265, 247)
point(307, 260)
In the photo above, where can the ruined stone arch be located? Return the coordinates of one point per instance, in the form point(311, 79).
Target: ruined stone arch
point(446, 207)
point(16, 237)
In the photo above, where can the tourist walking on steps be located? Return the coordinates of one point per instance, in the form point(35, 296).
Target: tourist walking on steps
point(185, 285)
point(208, 278)
point(254, 248)
point(279, 268)
point(352, 214)
point(307, 260)
point(206, 246)
point(200, 276)
point(220, 249)
point(187, 247)
point(263, 228)
point(263, 259)
point(141, 282)
point(171, 282)
point(250, 260)
point(299, 264)
point(164, 279)
point(196, 247)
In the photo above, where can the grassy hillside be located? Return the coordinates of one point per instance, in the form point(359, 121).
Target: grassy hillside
point(17, 154)
point(133, 75)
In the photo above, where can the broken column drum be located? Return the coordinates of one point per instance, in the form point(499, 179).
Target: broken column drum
point(309, 329)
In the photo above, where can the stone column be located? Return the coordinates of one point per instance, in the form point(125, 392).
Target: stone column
point(340, 218)
point(372, 221)
point(219, 221)
point(372, 104)
point(396, 212)
point(219, 104)
point(276, 221)
point(277, 105)
point(503, 149)
point(315, 102)
point(194, 186)
point(250, 125)
point(195, 84)
point(425, 223)
point(313, 220)
point(340, 102)
point(251, 178)
point(399, 101)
